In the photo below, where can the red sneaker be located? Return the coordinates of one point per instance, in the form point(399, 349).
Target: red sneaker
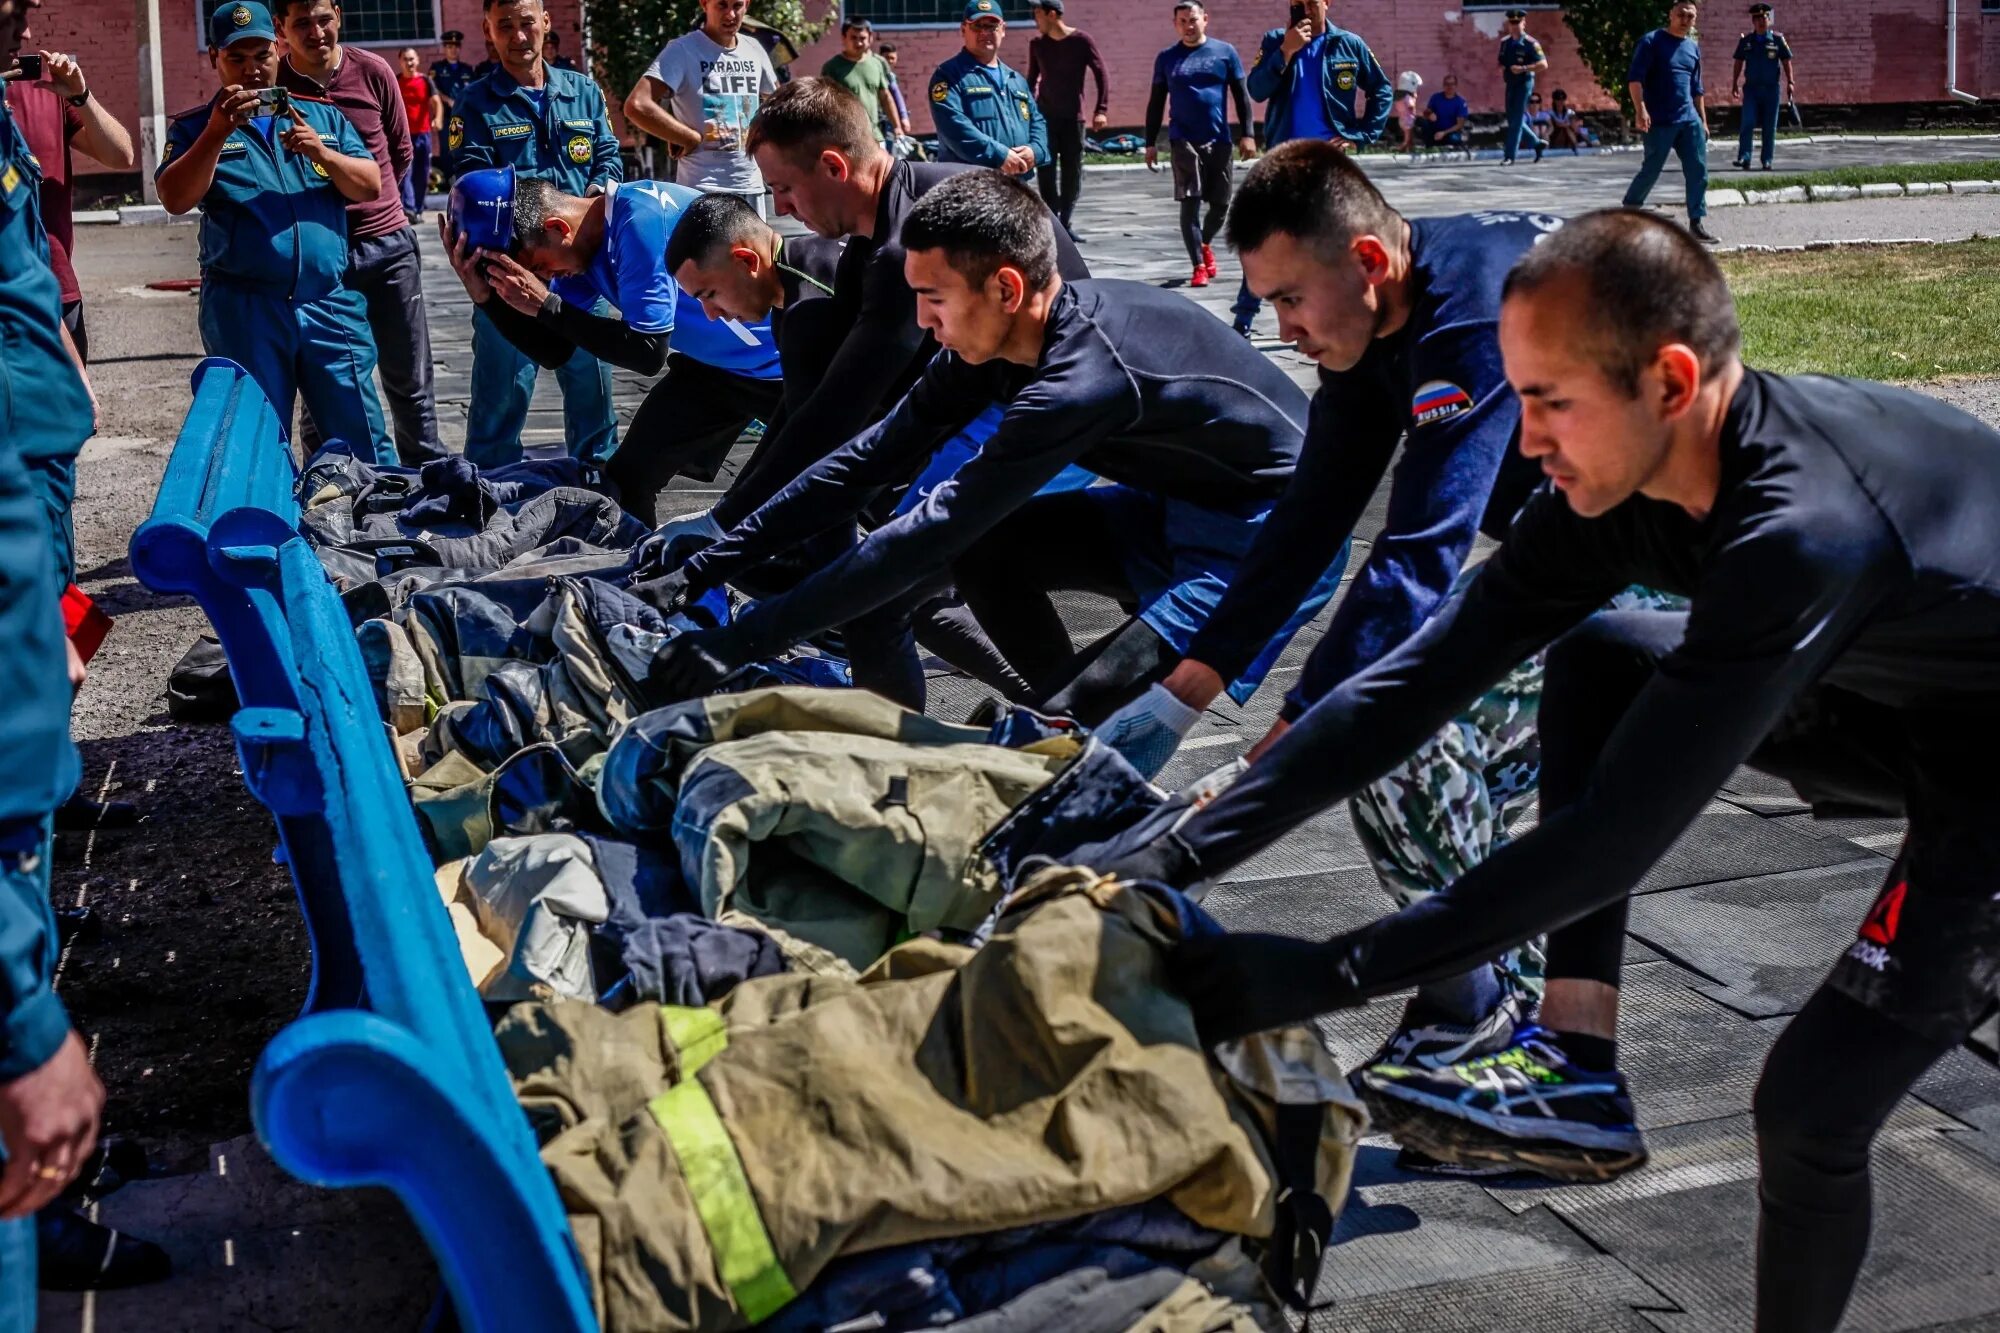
point(1208, 260)
point(1200, 278)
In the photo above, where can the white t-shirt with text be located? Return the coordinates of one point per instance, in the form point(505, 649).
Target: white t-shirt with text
point(716, 91)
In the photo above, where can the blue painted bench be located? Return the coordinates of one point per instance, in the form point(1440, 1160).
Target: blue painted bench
point(390, 1077)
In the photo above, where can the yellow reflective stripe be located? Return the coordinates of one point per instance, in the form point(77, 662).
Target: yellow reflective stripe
point(697, 1034)
point(714, 1175)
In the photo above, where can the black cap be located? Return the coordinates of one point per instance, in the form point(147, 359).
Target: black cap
point(450, 35)
point(1517, 13)
point(1053, 6)
point(1759, 9)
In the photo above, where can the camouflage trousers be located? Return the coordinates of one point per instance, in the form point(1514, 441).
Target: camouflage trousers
point(1451, 804)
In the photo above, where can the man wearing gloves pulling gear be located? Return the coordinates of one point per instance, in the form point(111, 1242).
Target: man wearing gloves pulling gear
point(1835, 539)
point(535, 260)
point(1091, 373)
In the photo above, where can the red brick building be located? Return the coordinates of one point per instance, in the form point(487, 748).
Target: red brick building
point(1849, 51)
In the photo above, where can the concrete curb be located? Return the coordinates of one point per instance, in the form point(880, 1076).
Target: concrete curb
point(1858, 244)
point(1820, 194)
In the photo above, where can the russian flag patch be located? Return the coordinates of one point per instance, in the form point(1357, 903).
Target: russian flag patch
point(1439, 400)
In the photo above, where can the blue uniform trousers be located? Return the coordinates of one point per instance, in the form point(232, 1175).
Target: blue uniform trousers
point(503, 384)
point(1518, 134)
point(320, 350)
point(1689, 141)
point(1760, 113)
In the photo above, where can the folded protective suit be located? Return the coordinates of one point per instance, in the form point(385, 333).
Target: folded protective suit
point(715, 1161)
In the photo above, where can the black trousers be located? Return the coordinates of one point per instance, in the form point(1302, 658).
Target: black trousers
point(1061, 180)
point(388, 272)
point(79, 332)
point(1919, 977)
point(689, 420)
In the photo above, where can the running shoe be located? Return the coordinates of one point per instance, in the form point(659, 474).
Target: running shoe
point(1526, 1107)
point(1208, 260)
point(1200, 278)
point(1423, 1164)
point(1435, 1045)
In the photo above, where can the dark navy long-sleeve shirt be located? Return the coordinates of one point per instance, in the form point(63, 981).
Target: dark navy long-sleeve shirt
point(1134, 383)
point(880, 355)
point(1437, 380)
point(1855, 543)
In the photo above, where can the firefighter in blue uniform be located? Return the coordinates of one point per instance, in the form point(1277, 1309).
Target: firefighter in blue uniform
point(449, 76)
point(1761, 55)
point(984, 111)
point(1521, 58)
point(551, 124)
point(273, 191)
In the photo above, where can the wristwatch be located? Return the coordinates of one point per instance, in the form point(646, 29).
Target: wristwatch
point(79, 99)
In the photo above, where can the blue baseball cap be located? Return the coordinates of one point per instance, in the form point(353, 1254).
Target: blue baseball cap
point(238, 19)
point(482, 208)
point(982, 9)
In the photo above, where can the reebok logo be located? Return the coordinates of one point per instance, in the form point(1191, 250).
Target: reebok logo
point(1879, 927)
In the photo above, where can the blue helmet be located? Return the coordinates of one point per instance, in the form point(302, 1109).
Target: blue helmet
point(482, 208)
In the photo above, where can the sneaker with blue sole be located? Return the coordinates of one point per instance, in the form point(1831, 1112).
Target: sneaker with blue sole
point(1526, 1107)
point(1433, 1045)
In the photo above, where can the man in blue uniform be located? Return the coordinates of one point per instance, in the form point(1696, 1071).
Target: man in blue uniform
point(1089, 373)
point(984, 112)
point(49, 1096)
point(1521, 59)
point(1671, 110)
point(450, 77)
point(537, 262)
point(1835, 540)
point(1761, 55)
point(550, 124)
point(273, 191)
point(1309, 76)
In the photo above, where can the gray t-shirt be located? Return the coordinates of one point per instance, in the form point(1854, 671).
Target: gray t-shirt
point(716, 91)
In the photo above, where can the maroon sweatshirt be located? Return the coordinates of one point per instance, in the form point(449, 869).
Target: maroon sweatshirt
point(1055, 72)
point(366, 91)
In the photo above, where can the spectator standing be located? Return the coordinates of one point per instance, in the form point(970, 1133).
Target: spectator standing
point(1317, 82)
point(550, 124)
point(888, 54)
point(552, 52)
point(425, 110)
point(1445, 116)
point(53, 116)
point(1761, 54)
point(488, 65)
point(1189, 79)
point(984, 112)
point(700, 94)
point(1521, 59)
point(859, 70)
point(50, 1098)
point(449, 76)
point(383, 263)
point(1672, 112)
point(1057, 61)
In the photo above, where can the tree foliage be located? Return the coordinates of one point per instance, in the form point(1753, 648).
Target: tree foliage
point(625, 35)
point(1606, 33)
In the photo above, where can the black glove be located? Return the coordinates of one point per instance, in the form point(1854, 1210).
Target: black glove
point(690, 666)
point(667, 594)
point(1147, 850)
point(1239, 984)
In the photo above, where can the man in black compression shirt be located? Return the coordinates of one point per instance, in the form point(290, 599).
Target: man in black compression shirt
point(1199, 431)
point(1837, 540)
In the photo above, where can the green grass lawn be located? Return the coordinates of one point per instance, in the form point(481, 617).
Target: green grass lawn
point(1984, 169)
point(1906, 312)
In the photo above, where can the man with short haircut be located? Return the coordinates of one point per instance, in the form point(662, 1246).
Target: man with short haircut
point(984, 112)
point(1189, 78)
point(859, 70)
point(273, 192)
point(1671, 110)
point(1088, 373)
point(1521, 59)
point(1057, 61)
point(700, 94)
point(1762, 54)
point(1317, 81)
point(1446, 116)
point(383, 261)
point(549, 124)
point(1835, 539)
point(539, 263)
